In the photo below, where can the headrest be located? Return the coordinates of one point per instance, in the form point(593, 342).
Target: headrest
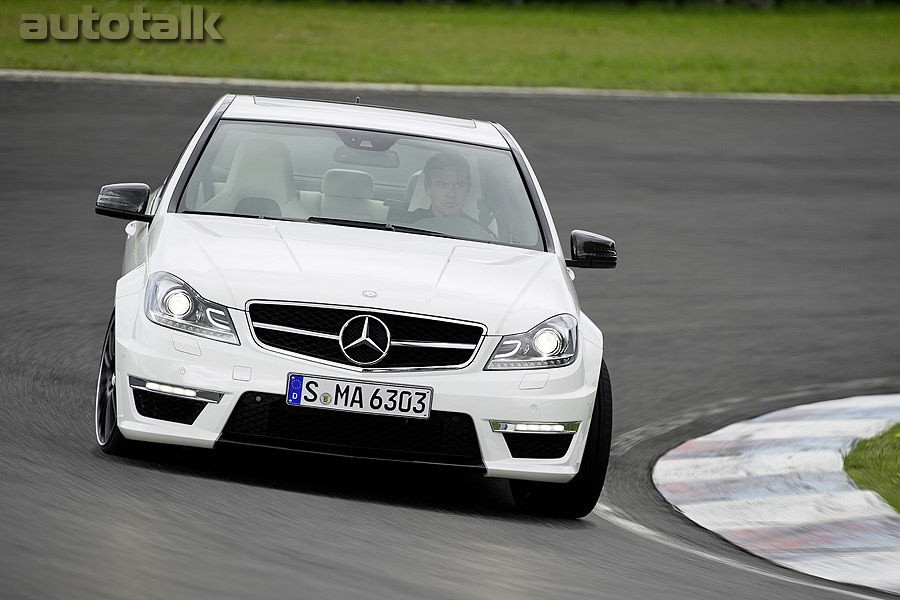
point(261, 169)
point(348, 184)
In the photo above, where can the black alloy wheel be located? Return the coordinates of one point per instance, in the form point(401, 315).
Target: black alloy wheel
point(109, 437)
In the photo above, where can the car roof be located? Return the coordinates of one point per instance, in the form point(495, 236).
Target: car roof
point(359, 116)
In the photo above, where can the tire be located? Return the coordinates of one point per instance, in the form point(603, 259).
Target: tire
point(106, 427)
point(577, 497)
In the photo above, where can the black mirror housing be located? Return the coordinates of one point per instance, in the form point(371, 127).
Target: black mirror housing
point(592, 251)
point(124, 201)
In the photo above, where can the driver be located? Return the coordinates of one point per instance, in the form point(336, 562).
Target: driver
point(446, 185)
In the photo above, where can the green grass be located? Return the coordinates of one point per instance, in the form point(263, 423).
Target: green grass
point(799, 49)
point(875, 465)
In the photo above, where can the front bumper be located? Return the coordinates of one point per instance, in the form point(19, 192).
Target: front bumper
point(149, 352)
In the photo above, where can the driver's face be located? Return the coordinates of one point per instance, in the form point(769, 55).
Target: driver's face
point(447, 191)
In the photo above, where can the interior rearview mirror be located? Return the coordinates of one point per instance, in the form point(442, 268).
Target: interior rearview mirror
point(124, 201)
point(592, 251)
point(386, 159)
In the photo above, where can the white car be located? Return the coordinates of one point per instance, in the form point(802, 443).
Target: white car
point(358, 281)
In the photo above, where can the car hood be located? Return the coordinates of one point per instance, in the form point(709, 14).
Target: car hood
point(233, 260)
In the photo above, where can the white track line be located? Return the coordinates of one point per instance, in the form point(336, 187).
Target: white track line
point(615, 517)
point(477, 90)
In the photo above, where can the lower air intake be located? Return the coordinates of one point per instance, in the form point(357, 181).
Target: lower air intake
point(267, 420)
point(538, 445)
point(167, 408)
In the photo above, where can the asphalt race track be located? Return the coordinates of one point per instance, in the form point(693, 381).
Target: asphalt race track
point(759, 268)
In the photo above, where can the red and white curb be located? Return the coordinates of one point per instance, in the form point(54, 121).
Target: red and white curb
point(775, 486)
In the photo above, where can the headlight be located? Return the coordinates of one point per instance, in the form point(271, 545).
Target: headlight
point(550, 344)
point(172, 303)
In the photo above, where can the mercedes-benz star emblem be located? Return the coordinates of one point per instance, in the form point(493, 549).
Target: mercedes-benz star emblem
point(365, 340)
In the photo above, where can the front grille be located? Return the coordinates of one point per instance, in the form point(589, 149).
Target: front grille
point(167, 408)
point(314, 332)
point(538, 445)
point(267, 420)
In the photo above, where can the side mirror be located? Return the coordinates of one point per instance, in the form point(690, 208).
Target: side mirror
point(124, 201)
point(592, 251)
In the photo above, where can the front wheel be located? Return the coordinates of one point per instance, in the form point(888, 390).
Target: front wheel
point(109, 437)
point(577, 497)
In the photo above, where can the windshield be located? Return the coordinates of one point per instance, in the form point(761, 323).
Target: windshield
point(363, 179)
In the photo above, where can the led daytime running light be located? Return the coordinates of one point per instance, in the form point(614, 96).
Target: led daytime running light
point(170, 389)
point(529, 427)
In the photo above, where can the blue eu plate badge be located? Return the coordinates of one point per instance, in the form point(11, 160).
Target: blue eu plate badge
point(295, 390)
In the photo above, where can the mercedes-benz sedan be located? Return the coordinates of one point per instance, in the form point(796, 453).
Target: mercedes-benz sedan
point(358, 281)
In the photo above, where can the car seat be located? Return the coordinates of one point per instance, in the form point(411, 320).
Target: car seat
point(260, 181)
point(347, 194)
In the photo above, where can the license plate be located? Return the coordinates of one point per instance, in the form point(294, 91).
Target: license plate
point(359, 396)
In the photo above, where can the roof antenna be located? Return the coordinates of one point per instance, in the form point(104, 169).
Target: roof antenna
point(357, 99)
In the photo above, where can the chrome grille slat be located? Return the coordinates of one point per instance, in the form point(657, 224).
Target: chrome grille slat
point(328, 336)
point(433, 345)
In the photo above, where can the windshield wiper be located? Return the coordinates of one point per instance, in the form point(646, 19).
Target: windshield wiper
point(382, 226)
point(246, 216)
point(207, 212)
point(343, 222)
point(350, 223)
point(408, 229)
